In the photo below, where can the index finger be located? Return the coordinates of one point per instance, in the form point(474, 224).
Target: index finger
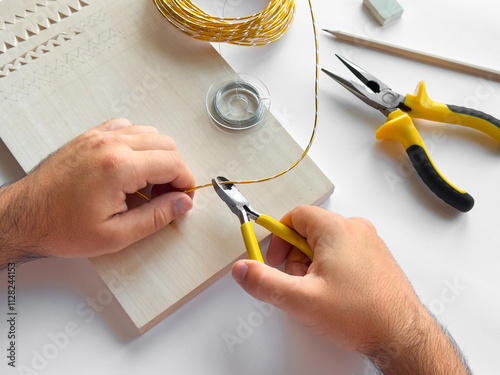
point(310, 222)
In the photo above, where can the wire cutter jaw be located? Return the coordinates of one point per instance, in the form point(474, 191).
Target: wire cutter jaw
point(240, 206)
point(380, 96)
point(236, 201)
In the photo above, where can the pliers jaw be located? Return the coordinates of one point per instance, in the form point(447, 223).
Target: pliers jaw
point(236, 201)
point(380, 96)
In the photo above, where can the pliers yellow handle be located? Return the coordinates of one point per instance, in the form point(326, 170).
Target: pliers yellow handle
point(425, 108)
point(399, 127)
point(279, 229)
point(241, 207)
point(251, 243)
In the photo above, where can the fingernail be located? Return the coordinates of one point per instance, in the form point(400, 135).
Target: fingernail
point(182, 205)
point(239, 271)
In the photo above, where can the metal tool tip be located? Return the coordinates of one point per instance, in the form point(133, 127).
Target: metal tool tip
point(221, 183)
point(332, 75)
point(340, 57)
point(222, 179)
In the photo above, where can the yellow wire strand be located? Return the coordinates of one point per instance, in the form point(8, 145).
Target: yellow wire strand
point(142, 195)
point(261, 28)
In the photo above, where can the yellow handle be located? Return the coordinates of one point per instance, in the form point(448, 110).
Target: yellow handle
point(425, 108)
point(399, 127)
point(251, 243)
point(289, 235)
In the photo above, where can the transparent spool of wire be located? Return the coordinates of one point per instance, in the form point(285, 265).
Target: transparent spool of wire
point(240, 103)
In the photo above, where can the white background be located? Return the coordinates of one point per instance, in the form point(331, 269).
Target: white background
point(452, 259)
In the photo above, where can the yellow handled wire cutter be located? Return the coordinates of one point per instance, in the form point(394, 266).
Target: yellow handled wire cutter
point(400, 109)
point(240, 206)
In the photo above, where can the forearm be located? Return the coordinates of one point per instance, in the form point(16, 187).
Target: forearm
point(16, 227)
point(16, 255)
point(425, 349)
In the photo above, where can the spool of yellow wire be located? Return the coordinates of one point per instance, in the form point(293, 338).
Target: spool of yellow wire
point(261, 28)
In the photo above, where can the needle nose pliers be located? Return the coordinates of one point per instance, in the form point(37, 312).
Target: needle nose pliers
point(240, 206)
point(400, 109)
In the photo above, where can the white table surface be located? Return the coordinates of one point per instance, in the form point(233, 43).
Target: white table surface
point(452, 259)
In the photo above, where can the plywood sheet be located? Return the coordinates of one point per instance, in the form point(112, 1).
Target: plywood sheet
point(68, 65)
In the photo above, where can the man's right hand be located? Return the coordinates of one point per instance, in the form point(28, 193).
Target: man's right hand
point(353, 293)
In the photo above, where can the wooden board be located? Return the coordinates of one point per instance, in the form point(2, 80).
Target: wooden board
point(68, 65)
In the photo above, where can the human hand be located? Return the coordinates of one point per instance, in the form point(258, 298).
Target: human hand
point(74, 203)
point(353, 293)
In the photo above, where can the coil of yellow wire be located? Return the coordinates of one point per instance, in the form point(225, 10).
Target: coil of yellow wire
point(260, 28)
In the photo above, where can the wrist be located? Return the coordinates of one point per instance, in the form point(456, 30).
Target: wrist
point(419, 346)
point(16, 227)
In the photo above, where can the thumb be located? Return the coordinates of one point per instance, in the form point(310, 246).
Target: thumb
point(151, 216)
point(286, 292)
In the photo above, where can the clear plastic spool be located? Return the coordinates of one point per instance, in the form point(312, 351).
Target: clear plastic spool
point(236, 104)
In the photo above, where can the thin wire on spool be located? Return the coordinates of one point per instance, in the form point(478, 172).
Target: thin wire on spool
point(204, 28)
point(261, 28)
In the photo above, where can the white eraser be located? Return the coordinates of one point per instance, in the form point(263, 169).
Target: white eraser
point(384, 11)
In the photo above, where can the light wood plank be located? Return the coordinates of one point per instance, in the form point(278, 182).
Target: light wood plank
point(122, 59)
